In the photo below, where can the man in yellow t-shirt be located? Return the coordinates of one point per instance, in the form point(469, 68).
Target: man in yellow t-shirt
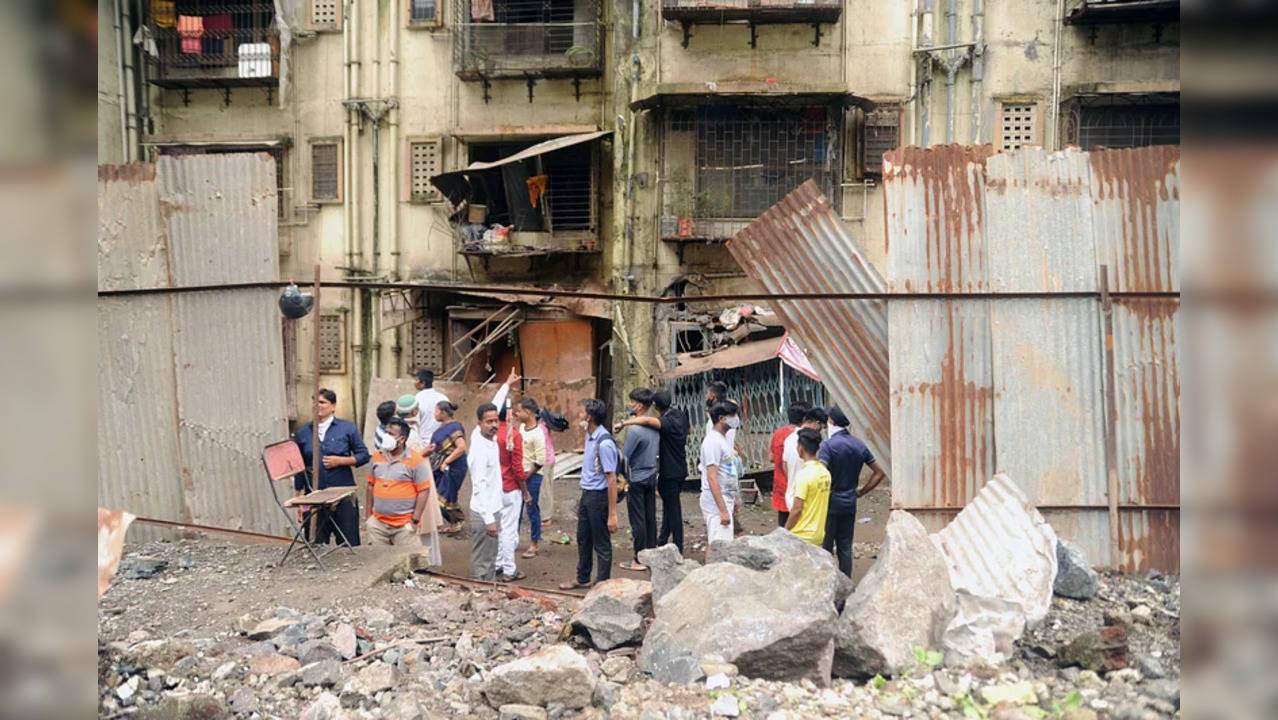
point(812, 491)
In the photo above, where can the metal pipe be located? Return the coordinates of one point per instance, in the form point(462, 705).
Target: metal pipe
point(978, 67)
point(537, 294)
point(948, 46)
point(925, 83)
point(119, 66)
point(910, 117)
point(1058, 22)
point(951, 69)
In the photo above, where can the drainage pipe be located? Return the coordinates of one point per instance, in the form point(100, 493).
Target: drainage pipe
point(1053, 123)
point(951, 69)
point(978, 67)
point(125, 156)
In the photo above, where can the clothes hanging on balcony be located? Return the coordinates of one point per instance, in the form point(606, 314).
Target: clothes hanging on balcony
point(190, 28)
point(217, 32)
point(537, 187)
point(523, 215)
point(164, 13)
point(482, 10)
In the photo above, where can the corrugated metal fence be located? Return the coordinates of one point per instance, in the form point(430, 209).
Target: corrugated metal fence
point(1071, 387)
point(191, 385)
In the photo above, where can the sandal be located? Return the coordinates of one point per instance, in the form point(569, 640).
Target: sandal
point(529, 555)
point(632, 566)
point(512, 578)
point(575, 586)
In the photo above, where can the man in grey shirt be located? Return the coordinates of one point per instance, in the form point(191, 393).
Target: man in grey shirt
point(640, 452)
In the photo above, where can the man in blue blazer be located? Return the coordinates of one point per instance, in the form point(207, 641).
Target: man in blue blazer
point(341, 450)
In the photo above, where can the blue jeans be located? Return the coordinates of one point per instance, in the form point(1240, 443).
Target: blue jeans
point(534, 508)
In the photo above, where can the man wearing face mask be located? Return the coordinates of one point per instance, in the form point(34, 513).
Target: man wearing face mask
point(399, 486)
point(720, 486)
point(813, 419)
point(640, 452)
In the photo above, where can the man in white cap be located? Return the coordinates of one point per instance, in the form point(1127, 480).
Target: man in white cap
point(407, 409)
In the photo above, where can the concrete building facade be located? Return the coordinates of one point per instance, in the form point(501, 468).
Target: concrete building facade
point(706, 114)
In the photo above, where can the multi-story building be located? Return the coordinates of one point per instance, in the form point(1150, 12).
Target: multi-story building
point(618, 144)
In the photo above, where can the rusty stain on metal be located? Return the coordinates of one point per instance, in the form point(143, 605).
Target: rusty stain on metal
point(800, 245)
point(1018, 383)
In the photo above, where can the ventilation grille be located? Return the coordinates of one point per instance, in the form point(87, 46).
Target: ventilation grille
point(332, 348)
point(1018, 126)
point(424, 161)
point(324, 175)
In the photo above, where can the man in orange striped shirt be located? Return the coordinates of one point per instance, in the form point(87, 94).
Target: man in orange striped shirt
point(399, 485)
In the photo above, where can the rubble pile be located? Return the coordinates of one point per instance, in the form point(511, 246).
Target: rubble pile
point(768, 630)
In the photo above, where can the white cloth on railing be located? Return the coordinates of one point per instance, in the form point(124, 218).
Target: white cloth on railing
point(482, 10)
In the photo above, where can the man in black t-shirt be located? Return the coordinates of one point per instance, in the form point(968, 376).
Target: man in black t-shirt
point(672, 463)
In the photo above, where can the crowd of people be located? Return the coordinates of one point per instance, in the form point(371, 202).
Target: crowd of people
point(423, 457)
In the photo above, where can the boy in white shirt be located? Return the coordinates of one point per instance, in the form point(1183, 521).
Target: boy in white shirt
point(719, 482)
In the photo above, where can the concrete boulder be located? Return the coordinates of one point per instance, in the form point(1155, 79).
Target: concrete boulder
point(667, 568)
point(614, 612)
point(762, 552)
point(904, 602)
point(557, 674)
point(777, 624)
point(1075, 577)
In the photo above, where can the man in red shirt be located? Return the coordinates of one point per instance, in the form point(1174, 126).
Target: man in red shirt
point(795, 415)
point(514, 490)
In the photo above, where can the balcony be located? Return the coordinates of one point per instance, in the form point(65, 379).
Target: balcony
point(527, 39)
point(752, 13)
point(1105, 12)
point(201, 45)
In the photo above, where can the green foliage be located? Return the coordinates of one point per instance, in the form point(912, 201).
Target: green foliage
point(929, 658)
point(877, 682)
point(970, 708)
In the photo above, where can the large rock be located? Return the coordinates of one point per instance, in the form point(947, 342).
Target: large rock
point(667, 568)
point(762, 552)
point(1075, 577)
point(343, 638)
point(269, 665)
point(614, 611)
point(1101, 651)
point(904, 602)
point(777, 624)
point(1002, 559)
point(557, 674)
point(374, 678)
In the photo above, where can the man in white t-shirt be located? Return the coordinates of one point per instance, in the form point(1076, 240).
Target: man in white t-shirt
point(719, 479)
point(427, 399)
point(717, 392)
point(813, 419)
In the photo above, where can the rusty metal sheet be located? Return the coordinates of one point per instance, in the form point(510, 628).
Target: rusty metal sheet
point(192, 385)
point(733, 356)
point(799, 245)
point(934, 204)
point(1049, 412)
point(1136, 196)
point(942, 402)
point(1038, 222)
point(968, 221)
point(557, 350)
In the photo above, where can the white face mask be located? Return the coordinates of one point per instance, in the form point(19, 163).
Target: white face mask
point(388, 442)
point(583, 424)
point(733, 421)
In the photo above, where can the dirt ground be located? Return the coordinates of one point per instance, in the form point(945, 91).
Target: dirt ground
point(250, 580)
point(556, 563)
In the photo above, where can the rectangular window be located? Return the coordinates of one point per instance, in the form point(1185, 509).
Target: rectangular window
point(423, 162)
point(1018, 125)
point(332, 327)
point(326, 14)
point(729, 164)
point(1121, 122)
point(882, 132)
point(326, 171)
point(423, 12)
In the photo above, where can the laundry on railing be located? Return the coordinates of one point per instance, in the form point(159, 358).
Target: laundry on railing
point(190, 28)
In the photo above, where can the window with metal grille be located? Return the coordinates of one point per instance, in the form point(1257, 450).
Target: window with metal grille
point(423, 161)
point(326, 182)
point(332, 327)
point(1018, 125)
point(568, 200)
point(423, 11)
point(326, 13)
point(736, 162)
point(882, 132)
point(428, 349)
point(1120, 125)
